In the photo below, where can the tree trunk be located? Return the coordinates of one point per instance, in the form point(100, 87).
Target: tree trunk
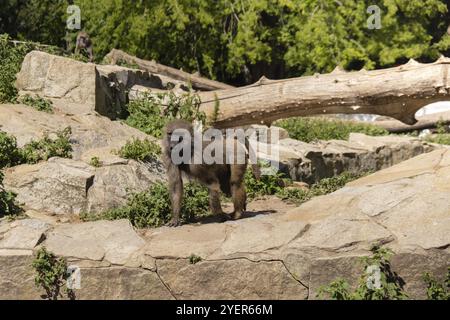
point(396, 92)
point(197, 82)
point(425, 122)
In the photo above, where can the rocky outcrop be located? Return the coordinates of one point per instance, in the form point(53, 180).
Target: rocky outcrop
point(65, 186)
point(71, 186)
point(311, 162)
point(77, 87)
point(288, 254)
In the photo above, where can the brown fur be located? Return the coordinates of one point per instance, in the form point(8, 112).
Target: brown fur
point(228, 178)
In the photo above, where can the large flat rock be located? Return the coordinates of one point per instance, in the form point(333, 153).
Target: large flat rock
point(288, 254)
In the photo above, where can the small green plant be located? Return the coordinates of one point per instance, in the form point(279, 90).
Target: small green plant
point(95, 162)
point(47, 148)
point(440, 138)
point(126, 64)
point(152, 112)
point(378, 281)
point(194, 259)
point(312, 129)
point(152, 207)
point(141, 150)
point(266, 185)
point(37, 103)
point(51, 274)
point(9, 152)
point(8, 206)
point(436, 290)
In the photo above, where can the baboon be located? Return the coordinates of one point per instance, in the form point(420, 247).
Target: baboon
point(84, 43)
point(228, 178)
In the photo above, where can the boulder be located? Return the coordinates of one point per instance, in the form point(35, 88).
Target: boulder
point(82, 87)
point(311, 162)
point(66, 186)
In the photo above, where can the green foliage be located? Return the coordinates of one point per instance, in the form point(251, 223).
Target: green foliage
point(8, 205)
point(239, 41)
point(312, 129)
point(37, 103)
point(152, 207)
point(51, 274)
point(194, 259)
point(152, 112)
point(436, 290)
point(46, 148)
point(389, 286)
point(266, 185)
point(11, 57)
point(276, 184)
point(9, 152)
point(443, 138)
point(141, 150)
point(95, 162)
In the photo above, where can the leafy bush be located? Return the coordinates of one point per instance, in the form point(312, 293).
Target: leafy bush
point(152, 208)
point(440, 138)
point(194, 259)
point(8, 206)
point(46, 148)
point(9, 152)
point(378, 281)
point(11, 57)
point(95, 162)
point(51, 274)
point(312, 129)
point(152, 112)
point(266, 185)
point(142, 150)
point(436, 290)
point(323, 187)
point(37, 103)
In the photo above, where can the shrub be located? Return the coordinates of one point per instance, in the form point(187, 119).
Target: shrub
point(95, 162)
point(37, 103)
point(194, 259)
point(8, 205)
point(152, 112)
point(152, 208)
point(11, 57)
point(378, 281)
point(440, 138)
point(141, 150)
point(51, 274)
point(436, 290)
point(312, 129)
point(9, 153)
point(266, 185)
point(46, 148)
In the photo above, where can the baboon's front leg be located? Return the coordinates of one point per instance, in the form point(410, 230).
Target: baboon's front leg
point(176, 194)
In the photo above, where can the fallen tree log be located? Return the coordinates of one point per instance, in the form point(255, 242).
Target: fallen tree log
point(395, 92)
point(431, 121)
point(197, 82)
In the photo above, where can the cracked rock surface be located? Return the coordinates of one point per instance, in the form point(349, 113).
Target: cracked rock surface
point(288, 254)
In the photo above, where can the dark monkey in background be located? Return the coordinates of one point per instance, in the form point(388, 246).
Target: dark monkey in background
point(84, 43)
point(228, 178)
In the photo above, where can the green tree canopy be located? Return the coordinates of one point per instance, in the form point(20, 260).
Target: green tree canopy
point(238, 41)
